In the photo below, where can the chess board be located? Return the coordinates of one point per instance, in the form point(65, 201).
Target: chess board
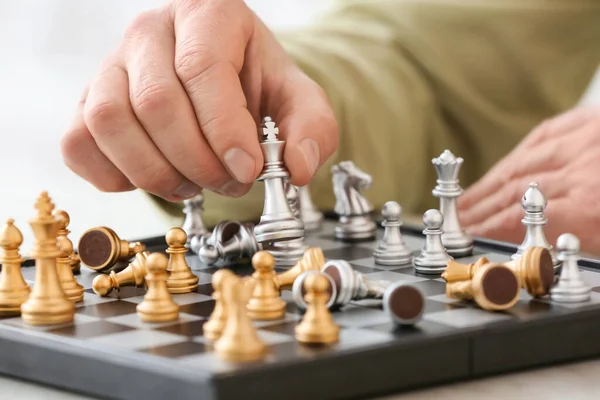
point(108, 353)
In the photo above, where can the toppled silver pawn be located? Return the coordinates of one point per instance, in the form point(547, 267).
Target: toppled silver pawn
point(230, 247)
point(392, 250)
point(433, 258)
point(570, 288)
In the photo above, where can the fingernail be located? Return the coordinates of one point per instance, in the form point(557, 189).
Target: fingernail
point(240, 164)
point(187, 190)
point(232, 188)
point(312, 155)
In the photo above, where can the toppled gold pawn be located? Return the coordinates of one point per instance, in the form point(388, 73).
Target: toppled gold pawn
point(213, 328)
point(317, 325)
point(101, 249)
point(73, 290)
point(14, 291)
point(181, 278)
point(157, 306)
point(494, 287)
point(265, 303)
point(134, 275)
point(239, 341)
point(65, 219)
point(312, 260)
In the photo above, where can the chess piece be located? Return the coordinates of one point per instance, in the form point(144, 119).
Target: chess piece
point(72, 289)
point(534, 270)
point(433, 257)
point(134, 275)
point(65, 219)
point(309, 214)
point(456, 241)
point(534, 203)
point(317, 325)
point(157, 305)
point(101, 250)
point(288, 252)
point(312, 260)
point(299, 290)
point(193, 225)
point(181, 278)
point(14, 291)
point(354, 210)
point(494, 287)
point(239, 341)
point(213, 328)
point(404, 303)
point(570, 288)
point(392, 250)
point(47, 303)
point(265, 303)
point(235, 243)
point(277, 222)
point(222, 232)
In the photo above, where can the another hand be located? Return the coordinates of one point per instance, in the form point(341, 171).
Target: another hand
point(563, 156)
point(177, 107)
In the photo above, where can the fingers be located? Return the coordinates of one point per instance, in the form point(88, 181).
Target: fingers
point(118, 134)
point(210, 42)
point(84, 158)
point(163, 109)
point(504, 225)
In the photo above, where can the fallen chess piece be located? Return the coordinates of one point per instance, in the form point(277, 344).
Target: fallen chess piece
point(193, 225)
point(534, 270)
point(265, 302)
point(181, 278)
point(101, 249)
point(235, 242)
point(317, 325)
point(570, 288)
point(14, 291)
point(312, 260)
point(134, 275)
point(404, 303)
point(433, 257)
point(220, 233)
point(494, 287)
point(392, 250)
point(354, 210)
point(157, 305)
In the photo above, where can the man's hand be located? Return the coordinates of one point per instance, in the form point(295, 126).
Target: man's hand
point(177, 107)
point(563, 156)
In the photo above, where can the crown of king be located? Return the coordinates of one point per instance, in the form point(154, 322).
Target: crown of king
point(269, 129)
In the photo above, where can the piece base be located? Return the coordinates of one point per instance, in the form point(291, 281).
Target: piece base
point(391, 259)
point(570, 295)
point(259, 312)
point(317, 336)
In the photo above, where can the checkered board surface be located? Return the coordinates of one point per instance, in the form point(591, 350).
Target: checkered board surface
point(109, 353)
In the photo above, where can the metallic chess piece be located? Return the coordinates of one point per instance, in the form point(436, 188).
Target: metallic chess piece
point(181, 278)
point(213, 328)
point(317, 325)
point(134, 275)
point(64, 231)
point(433, 258)
point(570, 288)
point(193, 225)
point(534, 203)
point(265, 303)
point(299, 292)
point(456, 241)
point(101, 249)
point(235, 242)
point(310, 215)
point(392, 250)
point(158, 305)
point(277, 222)
point(354, 210)
point(73, 290)
point(313, 259)
point(14, 291)
point(403, 303)
point(222, 232)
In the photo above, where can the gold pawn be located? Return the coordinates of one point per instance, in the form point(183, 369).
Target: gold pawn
point(64, 217)
point(157, 306)
point(317, 325)
point(181, 278)
point(213, 328)
point(133, 275)
point(312, 260)
point(265, 303)
point(47, 303)
point(14, 291)
point(73, 290)
point(101, 249)
point(239, 341)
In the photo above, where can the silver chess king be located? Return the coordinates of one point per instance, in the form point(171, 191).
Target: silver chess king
point(456, 241)
point(278, 221)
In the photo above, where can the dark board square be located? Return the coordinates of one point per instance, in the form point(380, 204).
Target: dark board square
point(410, 270)
point(206, 289)
point(190, 329)
point(431, 288)
point(202, 309)
point(348, 253)
point(125, 292)
point(432, 306)
point(110, 309)
point(532, 309)
point(287, 328)
point(90, 330)
point(176, 350)
point(364, 270)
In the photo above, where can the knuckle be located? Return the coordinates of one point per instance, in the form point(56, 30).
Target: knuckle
point(151, 97)
point(101, 117)
point(192, 59)
point(160, 180)
point(71, 144)
point(142, 24)
point(208, 176)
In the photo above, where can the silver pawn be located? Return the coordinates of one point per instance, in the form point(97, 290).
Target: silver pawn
point(231, 248)
point(433, 258)
point(570, 288)
point(193, 225)
point(392, 250)
point(277, 221)
point(288, 252)
point(221, 232)
point(534, 203)
point(309, 214)
point(457, 242)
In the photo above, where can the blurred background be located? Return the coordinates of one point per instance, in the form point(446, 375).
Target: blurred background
point(49, 50)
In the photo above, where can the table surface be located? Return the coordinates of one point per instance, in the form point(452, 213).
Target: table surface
point(50, 50)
